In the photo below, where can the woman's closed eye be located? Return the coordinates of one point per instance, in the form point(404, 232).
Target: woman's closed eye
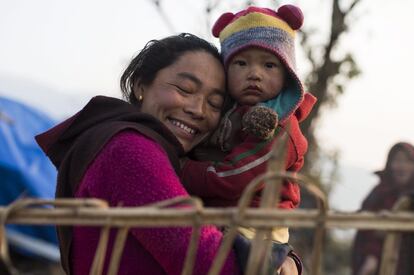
point(216, 101)
point(181, 89)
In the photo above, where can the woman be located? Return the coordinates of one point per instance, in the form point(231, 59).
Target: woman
point(128, 153)
point(396, 180)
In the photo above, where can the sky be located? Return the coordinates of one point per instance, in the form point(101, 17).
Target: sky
point(55, 55)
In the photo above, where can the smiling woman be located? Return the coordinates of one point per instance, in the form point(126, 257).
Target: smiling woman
point(127, 153)
point(186, 97)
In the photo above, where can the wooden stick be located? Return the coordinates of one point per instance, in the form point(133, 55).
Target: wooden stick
point(392, 242)
point(253, 217)
point(99, 259)
point(195, 236)
point(261, 244)
point(119, 245)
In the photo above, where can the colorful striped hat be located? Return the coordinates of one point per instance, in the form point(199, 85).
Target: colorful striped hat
point(260, 27)
point(271, 30)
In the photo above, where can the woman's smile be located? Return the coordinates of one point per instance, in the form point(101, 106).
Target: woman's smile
point(182, 130)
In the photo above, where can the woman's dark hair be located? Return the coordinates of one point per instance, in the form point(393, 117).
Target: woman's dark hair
point(157, 55)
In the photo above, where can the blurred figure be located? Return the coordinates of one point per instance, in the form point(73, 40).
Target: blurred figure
point(396, 180)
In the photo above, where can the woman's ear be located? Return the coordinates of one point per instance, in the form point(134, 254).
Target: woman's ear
point(138, 91)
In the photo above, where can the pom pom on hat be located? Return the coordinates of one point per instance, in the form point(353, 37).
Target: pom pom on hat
point(292, 15)
point(221, 23)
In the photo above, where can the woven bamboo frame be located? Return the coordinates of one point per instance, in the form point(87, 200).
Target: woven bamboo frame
point(93, 212)
point(81, 212)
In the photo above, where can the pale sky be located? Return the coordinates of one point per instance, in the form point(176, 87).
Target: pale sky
point(72, 50)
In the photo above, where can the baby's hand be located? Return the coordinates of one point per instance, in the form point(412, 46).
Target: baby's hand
point(260, 121)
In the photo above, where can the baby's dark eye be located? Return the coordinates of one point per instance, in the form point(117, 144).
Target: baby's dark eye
point(271, 65)
point(239, 62)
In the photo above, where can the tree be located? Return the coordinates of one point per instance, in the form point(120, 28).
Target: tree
point(329, 76)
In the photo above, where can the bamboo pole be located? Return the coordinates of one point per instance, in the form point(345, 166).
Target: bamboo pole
point(392, 242)
point(119, 245)
point(6, 264)
point(262, 242)
point(151, 217)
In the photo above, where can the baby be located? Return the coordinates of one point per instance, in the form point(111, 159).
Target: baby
point(258, 51)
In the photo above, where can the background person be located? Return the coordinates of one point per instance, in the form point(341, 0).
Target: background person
point(396, 180)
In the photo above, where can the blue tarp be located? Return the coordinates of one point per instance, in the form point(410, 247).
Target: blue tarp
point(24, 169)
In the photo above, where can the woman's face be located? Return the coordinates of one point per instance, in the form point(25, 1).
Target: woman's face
point(187, 97)
point(402, 168)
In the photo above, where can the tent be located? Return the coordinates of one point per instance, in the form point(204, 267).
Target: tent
point(26, 172)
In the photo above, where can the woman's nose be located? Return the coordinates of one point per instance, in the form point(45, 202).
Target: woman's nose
point(196, 107)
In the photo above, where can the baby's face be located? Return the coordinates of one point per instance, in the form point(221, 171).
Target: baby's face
point(255, 75)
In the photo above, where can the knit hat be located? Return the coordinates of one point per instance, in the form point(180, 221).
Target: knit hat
point(270, 30)
point(260, 27)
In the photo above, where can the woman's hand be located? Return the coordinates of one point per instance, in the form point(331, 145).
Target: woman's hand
point(288, 267)
point(369, 266)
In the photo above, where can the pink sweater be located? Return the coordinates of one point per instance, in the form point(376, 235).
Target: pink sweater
point(134, 170)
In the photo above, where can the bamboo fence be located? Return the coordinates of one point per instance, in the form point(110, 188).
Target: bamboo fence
point(93, 212)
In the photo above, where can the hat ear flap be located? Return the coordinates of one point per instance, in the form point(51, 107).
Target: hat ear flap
point(292, 15)
point(221, 23)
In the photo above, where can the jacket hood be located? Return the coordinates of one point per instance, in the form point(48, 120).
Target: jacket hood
point(288, 100)
point(305, 107)
point(100, 110)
